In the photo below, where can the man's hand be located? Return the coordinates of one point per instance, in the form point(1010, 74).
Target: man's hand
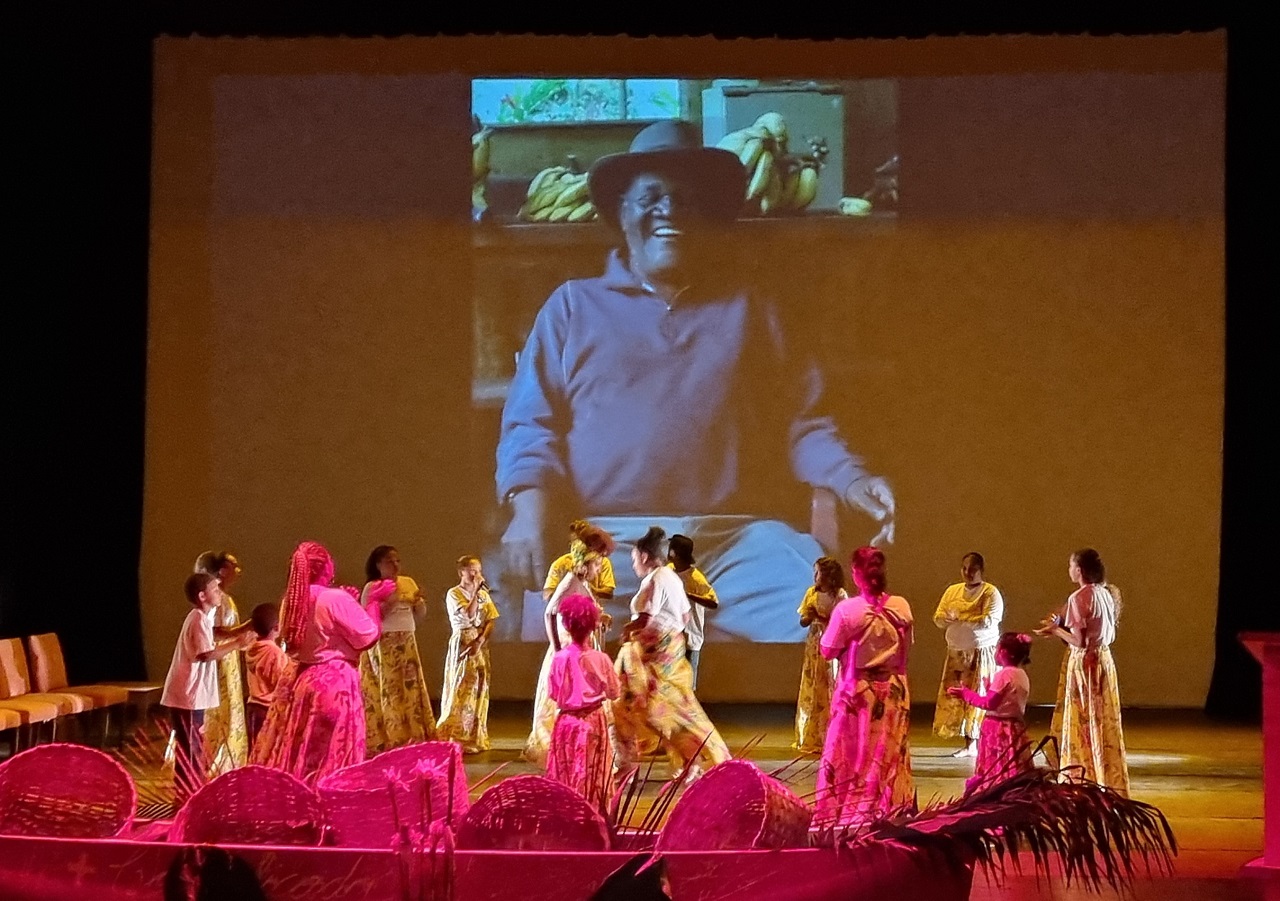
point(873, 496)
point(522, 541)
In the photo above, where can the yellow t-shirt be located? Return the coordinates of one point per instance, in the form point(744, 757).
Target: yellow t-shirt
point(602, 584)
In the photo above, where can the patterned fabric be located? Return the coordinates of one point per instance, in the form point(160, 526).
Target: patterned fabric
point(1003, 751)
point(464, 702)
point(397, 706)
point(581, 755)
point(657, 700)
point(866, 761)
point(226, 735)
point(1086, 720)
point(544, 708)
point(973, 670)
point(316, 723)
point(817, 674)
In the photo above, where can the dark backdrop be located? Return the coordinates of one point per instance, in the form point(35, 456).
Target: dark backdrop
point(78, 127)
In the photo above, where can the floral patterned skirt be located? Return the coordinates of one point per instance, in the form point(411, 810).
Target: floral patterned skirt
point(973, 670)
point(226, 736)
point(657, 701)
point(1086, 720)
point(1003, 751)
point(866, 762)
point(581, 755)
point(813, 706)
point(397, 706)
point(316, 723)
point(464, 702)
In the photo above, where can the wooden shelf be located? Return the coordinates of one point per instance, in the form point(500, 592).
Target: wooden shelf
point(516, 234)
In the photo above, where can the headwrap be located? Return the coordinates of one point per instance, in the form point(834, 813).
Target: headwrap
point(309, 565)
point(580, 554)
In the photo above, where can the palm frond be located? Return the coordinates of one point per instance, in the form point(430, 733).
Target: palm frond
point(1098, 837)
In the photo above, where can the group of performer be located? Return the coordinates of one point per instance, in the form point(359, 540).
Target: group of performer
point(351, 682)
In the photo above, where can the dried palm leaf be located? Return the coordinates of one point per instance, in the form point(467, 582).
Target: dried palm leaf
point(1098, 837)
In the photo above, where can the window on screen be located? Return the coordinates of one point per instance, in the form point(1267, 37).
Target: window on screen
point(515, 101)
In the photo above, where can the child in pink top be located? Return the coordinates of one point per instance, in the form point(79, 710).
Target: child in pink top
point(581, 682)
point(1003, 747)
point(265, 665)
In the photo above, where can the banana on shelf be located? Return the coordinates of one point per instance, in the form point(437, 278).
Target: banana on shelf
point(778, 182)
point(480, 148)
point(557, 194)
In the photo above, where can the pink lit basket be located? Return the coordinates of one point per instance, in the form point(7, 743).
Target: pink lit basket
point(252, 805)
point(532, 813)
point(366, 803)
point(66, 791)
point(736, 806)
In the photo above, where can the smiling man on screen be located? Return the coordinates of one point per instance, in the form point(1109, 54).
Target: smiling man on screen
point(665, 393)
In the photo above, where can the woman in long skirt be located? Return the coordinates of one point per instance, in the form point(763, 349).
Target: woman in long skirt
point(970, 611)
point(464, 702)
point(582, 684)
point(817, 674)
point(653, 669)
point(397, 704)
point(866, 761)
point(586, 569)
point(315, 726)
point(1086, 720)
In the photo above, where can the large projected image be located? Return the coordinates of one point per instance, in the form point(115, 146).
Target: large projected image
point(665, 388)
point(456, 303)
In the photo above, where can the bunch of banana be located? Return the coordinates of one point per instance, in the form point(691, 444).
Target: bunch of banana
point(480, 168)
point(776, 181)
point(557, 194)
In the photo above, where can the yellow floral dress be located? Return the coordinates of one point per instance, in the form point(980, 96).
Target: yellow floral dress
point(1086, 720)
point(397, 706)
point(226, 736)
point(657, 699)
point(817, 674)
point(972, 624)
point(464, 702)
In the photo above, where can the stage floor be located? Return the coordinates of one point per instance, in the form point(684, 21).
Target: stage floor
point(1205, 776)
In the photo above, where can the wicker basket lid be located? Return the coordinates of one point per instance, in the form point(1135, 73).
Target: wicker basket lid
point(736, 806)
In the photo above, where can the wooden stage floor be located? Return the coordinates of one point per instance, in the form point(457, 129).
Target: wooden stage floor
point(1205, 776)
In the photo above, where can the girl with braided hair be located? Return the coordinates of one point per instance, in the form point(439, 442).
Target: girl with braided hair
point(316, 724)
point(581, 685)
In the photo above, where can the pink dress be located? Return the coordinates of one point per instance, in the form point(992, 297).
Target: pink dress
point(866, 760)
point(1003, 747)
point(316, 724)
point(580, 755)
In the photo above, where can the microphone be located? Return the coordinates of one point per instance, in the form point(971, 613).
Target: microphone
point(484, 586)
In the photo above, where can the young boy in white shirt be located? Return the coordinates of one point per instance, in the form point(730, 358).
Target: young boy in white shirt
point(191, 686)
point(702, 597)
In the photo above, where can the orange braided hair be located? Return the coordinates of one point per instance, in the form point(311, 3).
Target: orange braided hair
point(310, 564)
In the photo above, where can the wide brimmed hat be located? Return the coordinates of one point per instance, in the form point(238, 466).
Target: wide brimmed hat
point(670, 145)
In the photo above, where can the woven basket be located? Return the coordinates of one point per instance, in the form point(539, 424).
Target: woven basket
point(735, 806)
point(253, 805)
point(532, 813)
point(358, 799)
point(67, 791)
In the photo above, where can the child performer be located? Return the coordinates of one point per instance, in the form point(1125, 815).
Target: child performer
point(817, 674)
point(397, 705)
point(225, 738)
point(702, 597)
point(464, 703)
point(191, 685)
point(586, 568)
point(582, 682)
point(266, 664)
point(1003, 748)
